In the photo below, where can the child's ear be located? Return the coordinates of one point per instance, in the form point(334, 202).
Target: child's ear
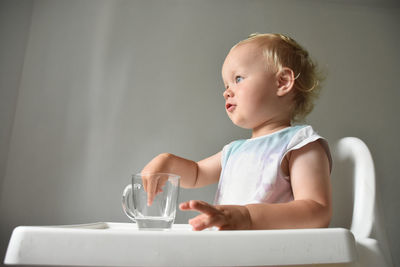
point(285, 80)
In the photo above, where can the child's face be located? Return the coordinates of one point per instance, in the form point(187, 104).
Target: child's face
point(251, 88)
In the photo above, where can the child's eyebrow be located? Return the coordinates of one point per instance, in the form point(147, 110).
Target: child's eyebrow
point(230, 74)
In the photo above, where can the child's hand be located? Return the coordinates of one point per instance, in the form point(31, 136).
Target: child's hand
point(152, 183)
point(225, 217)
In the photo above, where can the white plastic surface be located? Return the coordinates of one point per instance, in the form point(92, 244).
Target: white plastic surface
point(120, 244)
point(364, 184)
point(371, 252)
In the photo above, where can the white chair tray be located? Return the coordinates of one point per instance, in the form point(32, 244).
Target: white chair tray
point(122, 244)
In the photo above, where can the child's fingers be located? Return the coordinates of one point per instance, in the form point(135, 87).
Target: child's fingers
point(204, 221)
point(150, 194)
point(203, 207)
point(210, 215)
point(192, 205)
point(199, 223)
point(144, 184)
point(199, 206)
point(198, 226)
point(151, 191)
point(184, 206)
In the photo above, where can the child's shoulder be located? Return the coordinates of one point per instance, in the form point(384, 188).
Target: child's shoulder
point(307, 135)
point(302, 135)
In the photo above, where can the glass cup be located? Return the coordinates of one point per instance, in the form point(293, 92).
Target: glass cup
point(160, 214)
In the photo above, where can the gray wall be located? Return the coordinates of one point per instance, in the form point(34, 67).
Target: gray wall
point(91, 90)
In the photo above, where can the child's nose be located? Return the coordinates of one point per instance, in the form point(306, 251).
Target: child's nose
point(228, 93)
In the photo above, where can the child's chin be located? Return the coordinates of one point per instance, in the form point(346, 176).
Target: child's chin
point(239, 122)
point(242, 125)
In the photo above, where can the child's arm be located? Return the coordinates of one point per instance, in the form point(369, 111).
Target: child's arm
point(193, 174)
point(310, 177)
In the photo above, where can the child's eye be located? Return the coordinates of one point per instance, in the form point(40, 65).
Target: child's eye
point(238, 79)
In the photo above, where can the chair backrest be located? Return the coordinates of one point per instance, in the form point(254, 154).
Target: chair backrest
point(353, 186)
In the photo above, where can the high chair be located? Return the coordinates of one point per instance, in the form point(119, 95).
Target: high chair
point(355, 237)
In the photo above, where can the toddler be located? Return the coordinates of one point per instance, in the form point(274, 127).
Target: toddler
point(280, 177)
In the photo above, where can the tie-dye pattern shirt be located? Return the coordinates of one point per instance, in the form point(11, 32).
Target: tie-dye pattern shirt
point(251, 168)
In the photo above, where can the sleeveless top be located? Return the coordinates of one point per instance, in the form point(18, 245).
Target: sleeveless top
point(251, 168)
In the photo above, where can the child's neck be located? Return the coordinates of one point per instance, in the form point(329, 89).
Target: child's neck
point(269, 128)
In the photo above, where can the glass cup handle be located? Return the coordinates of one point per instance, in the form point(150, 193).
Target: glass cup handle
point(127, 202)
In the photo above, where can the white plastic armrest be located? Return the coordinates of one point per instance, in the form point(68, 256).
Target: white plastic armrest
point(364, 184)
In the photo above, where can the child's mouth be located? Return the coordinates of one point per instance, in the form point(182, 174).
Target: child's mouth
point(230, 107)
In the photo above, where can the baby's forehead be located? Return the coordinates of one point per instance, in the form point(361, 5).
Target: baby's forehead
point(245, 54)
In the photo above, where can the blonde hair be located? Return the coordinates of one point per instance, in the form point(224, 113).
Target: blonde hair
point(282, 51)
